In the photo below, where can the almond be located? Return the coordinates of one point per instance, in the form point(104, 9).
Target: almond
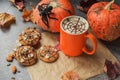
point(9, 58)
point(14, 69)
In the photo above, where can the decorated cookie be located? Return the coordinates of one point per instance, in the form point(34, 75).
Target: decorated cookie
point(70, 75)
point(48, 54)
point(26, 55)
point(30, 36)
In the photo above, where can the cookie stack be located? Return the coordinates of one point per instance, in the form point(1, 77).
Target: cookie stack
point(25, 52)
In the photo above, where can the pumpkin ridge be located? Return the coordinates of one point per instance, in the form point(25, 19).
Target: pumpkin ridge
point(110, 32)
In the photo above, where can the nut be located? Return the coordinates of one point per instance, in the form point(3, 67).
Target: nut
point(14, 69)
point(9, 59)
point(11, 54)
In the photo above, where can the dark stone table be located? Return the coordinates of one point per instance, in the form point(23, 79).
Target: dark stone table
point(9, 36)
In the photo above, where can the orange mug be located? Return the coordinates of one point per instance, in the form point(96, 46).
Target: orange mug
point(73, 36)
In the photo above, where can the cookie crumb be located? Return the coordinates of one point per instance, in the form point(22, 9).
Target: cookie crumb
point(18, 71)
point(8, 64)
point(12, 78)
point(14, 69)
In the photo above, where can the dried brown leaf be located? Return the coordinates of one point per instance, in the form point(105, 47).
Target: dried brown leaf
point(28, 15)
point(19, 4)
point(85, 5)
point(117, 68)
point(112, 69)
point(6, 19)
point(70, 75)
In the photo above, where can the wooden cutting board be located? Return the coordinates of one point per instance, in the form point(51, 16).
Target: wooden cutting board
point(85, 65)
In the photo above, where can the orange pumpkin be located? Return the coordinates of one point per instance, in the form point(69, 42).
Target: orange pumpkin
point(51, 14)
point(104, 20)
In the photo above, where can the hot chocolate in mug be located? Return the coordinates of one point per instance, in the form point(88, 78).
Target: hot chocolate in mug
point(73, 36)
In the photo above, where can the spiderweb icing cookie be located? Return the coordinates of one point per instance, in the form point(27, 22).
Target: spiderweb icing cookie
point(30, 36)
point(26, 55)
point(48, 54)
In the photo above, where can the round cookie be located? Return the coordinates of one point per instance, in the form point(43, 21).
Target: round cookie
point(26, 55)
point(30, 36)
point(48, 54)
point(70, 75)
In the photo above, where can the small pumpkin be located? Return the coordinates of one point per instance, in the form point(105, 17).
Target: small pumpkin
point(104, 20)
point(49, 13)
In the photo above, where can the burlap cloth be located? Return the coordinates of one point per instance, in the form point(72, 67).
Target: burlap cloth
point(86, 66)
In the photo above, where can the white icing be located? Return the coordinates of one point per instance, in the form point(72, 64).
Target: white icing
point(35, 36)
point(22, 60)
point(18, 44)
point(42, 48)
point(25, 49)
point(47, 56)
point(30, 55)
point(15, 49)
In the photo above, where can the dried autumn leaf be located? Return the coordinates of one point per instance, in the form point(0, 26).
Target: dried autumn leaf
point(6, 19)
point(85, 5)
point(70, 75)
point(112, 70)
point(117, 68)
point(18, 3)
point(28, 15)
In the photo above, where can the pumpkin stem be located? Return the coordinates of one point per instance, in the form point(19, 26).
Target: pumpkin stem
point(108, 6)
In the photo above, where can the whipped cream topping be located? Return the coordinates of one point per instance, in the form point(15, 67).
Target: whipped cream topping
point(74, 25)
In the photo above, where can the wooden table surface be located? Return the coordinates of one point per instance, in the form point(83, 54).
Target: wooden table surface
point(9, 36)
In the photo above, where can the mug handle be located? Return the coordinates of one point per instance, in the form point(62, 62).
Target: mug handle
point(94, 42)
